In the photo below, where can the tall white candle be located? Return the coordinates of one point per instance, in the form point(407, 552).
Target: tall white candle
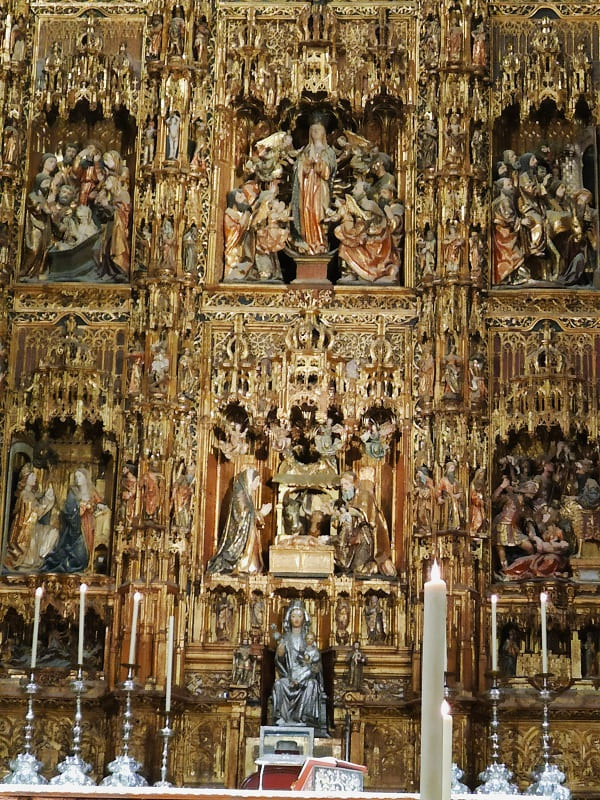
point(446, 751)
point(543, 602)
point(432, 684)
point(494, 636)
point(82, 591)
point(169, 669)
point(36, 624)
point(134, 621)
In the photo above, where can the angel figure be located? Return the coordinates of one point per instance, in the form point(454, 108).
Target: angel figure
point(280, 437)
point(235, 443)
point(357, 151)
point(271, 155)
point(376, 438)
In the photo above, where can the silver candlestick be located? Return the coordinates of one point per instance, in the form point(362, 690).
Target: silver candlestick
point(25, 767)
point(496, 777)
point(548, 779)
point(124, 769)
point(166, 732)
point(74, 770)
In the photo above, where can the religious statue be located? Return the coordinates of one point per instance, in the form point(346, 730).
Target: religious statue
point(154, 40)
point(424, 496)
point(361, 537)
point(477, 504)
point(509, 652)
point(223, 618)
point(427, 254)
point(313, 176)
point(452, 374)
point(479, 56)
point(152, 486)
point(79, 518)
point(298, 692)
point(256, 228)
point(191, 241)
point(355, 659)
point(371, 223)
point(182, 493)
point(128, 492)
point(451, 499)
point(240, 547)
point(78, 218)
point(373, 614)
point(149, 138)
point(375, 438)
point(176, 43)
point(173, 123)
point(244, 664)
point(257, 611)
point(31, 537)
point(342, 620)
point(590, 656)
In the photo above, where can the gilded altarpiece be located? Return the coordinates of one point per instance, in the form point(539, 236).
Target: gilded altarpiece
point(267, 270)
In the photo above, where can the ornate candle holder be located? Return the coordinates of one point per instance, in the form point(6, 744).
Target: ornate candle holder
point(25, 767)
point(496, 777)
point(548, 778)
point(166, 732)
point(74, 770)
point(456, 784)
point(124, 769)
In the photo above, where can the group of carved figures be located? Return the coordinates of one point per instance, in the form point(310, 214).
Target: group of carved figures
point(358, 529)
point(78, 217)
point(545, 229)
point(311, 201)
point(446, 505)
point(544, 509)
point(43, 538)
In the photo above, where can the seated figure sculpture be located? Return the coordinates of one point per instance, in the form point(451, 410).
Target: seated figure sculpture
point(298, 696)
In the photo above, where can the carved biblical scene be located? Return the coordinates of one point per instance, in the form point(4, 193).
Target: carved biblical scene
point(61, 482)
point(545, 211)
point(320, 454)
point(78, 211)
point(302, 195)
point(546, 500)
point(57, 641)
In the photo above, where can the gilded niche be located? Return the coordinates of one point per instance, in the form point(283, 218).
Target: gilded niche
point(81, 158)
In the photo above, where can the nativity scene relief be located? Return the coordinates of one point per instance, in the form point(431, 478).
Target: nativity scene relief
point(317, 470)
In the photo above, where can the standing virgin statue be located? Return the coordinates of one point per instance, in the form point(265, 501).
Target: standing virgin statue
point(240, 549)
point(313, 176)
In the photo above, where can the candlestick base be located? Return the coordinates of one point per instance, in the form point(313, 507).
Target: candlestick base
point(24, 768)
point(549, 782)
point(496, 778)
point(456, 785)
point(73, 771)
point(124, 772)
point(166, 732)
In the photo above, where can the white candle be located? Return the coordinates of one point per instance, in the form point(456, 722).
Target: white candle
point(494, 634)
point(432, 684)
point(543, 602)
point(36, 624)
point(134, 620)
point(82, 591)
point(446, 751)
point(169, 670)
